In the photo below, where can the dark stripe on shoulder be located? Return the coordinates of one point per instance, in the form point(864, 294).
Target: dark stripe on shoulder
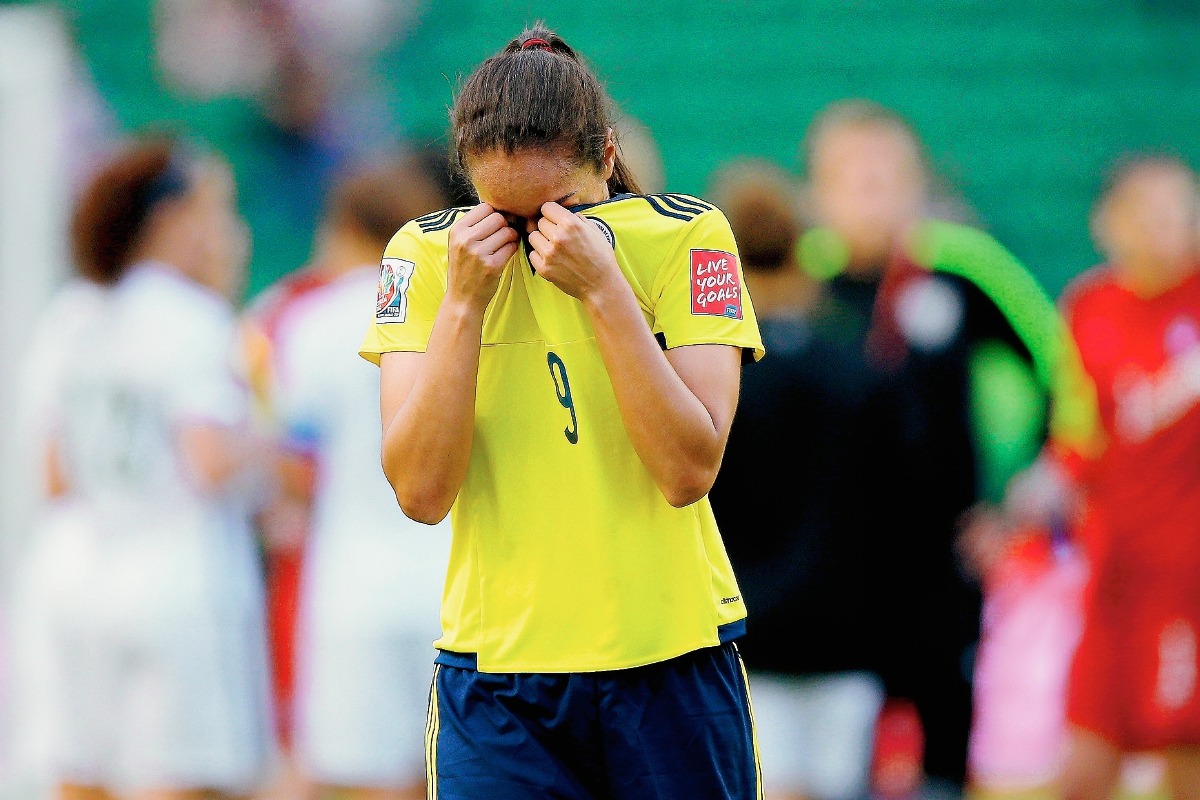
point(661, 209)
point(441, 220)
point(426, 218)
point(688, 200)
point(434, 220)
point(681, 207)
point(431, 215)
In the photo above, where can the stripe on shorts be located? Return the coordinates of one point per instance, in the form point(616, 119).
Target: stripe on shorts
point(432, 726)
point(753, 726)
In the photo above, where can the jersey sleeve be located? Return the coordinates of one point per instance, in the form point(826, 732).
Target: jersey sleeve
point(412, 283)
point(980, 259)
point(699, 294)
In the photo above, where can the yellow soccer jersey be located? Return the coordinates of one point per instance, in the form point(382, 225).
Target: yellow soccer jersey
point(566, 557)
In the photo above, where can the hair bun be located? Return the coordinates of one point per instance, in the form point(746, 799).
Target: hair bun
point(535, 43)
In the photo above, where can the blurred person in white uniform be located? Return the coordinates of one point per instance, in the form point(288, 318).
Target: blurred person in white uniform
point(59, 533)
point(164, 689)
point(372, 582)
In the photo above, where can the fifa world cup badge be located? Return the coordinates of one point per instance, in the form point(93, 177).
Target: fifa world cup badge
point(395, 276)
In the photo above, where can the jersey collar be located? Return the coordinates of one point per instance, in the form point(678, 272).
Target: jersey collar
point(613, 199)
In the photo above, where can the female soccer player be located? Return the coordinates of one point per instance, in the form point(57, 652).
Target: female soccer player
point(166, 692)
point(1133, 684)
point(370, 591)
point(44, 582)
point(560, 365)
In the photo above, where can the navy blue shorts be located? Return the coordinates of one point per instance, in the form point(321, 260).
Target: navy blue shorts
point(680, 729)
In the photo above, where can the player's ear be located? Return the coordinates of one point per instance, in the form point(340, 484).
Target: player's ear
point(610, 153)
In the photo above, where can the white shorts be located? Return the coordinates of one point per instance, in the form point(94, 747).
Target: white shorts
point(816, 734)
point(365, 664)
point(163, 686)
point(48, 572)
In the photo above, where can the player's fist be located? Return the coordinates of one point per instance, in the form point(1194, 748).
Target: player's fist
point(571, 252)
point(481, 243)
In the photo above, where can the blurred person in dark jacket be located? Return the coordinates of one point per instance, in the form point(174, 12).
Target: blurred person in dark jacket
point(893, 406)
point(815, 706)
point(925, 347)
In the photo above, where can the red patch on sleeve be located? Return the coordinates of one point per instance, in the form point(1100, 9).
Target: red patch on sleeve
point(716, 285)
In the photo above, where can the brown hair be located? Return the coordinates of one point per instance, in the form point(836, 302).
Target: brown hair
point(114, 207)
point(761, 205)
point(379, 199)
point(536, 96)
point(846, 114)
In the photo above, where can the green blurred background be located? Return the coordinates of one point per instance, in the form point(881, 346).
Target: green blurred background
point(1023, 103)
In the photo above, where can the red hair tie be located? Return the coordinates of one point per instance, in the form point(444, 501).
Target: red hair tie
point(540, 44)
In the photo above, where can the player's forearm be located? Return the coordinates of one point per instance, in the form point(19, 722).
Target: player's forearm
point(55, 473)
point(671, 430)
point(427, 443)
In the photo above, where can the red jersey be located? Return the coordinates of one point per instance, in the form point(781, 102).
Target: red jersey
point(268, 309)
point(1144, 356)
point(1134, 676)
point(284, 564)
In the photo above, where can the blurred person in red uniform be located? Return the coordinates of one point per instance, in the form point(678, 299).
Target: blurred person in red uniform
point(1136, 322)
point(815, 703)
point(371, 581)
point(284, 522)
point(402, 188)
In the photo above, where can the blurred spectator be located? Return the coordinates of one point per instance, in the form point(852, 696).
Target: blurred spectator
point(60, 532)
point(157, 645)
point(59, 130)
point(304, 62)
point(641, 153)
point(291, 85)
point(918, 353)
point(283, 522)
point(434, 158)
point(1032, 618)
point(398, 190)
point(801, 575)
point(372, 579)
point(763, 209)
point(1137, 325)
point(215, 48)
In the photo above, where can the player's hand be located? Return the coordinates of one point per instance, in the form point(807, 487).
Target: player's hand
point(984, 536)
point(481, 243)
point(572, 253)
